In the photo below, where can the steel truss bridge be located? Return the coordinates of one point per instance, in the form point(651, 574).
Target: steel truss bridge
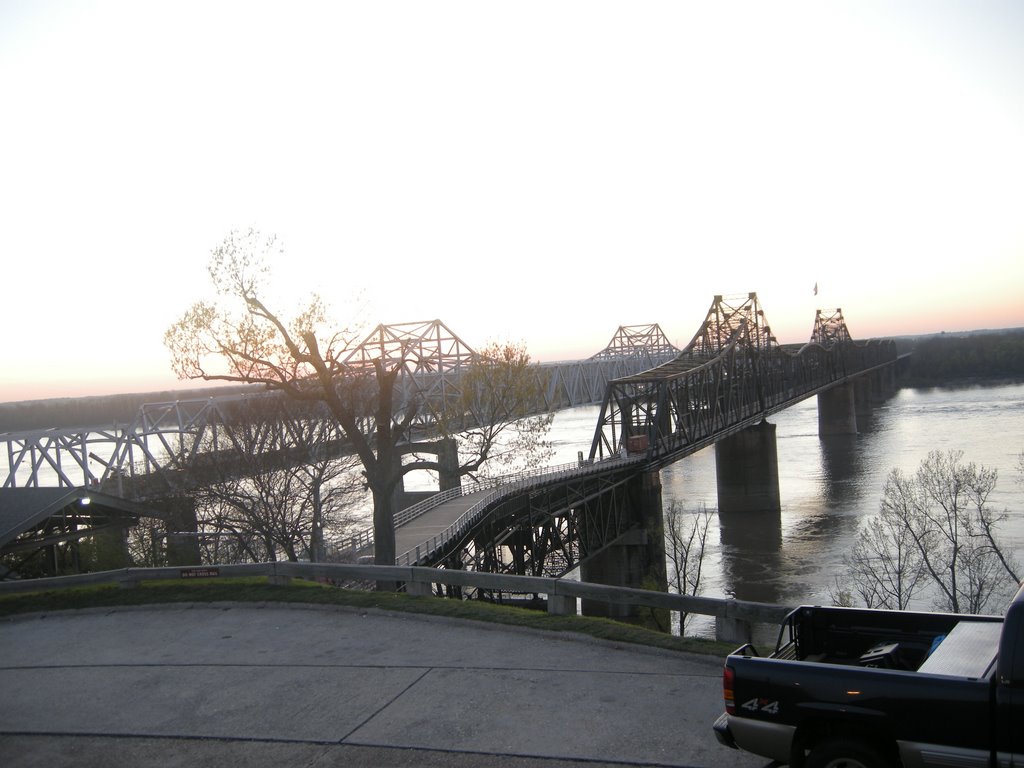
point(165, 448)
point(731, 376)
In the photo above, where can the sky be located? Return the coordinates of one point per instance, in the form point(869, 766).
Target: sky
point(533, 172)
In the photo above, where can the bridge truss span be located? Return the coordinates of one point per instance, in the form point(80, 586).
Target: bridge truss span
point(166, 445)
point(732, 374)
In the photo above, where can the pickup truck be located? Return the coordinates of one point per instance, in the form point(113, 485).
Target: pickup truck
point(862, 688)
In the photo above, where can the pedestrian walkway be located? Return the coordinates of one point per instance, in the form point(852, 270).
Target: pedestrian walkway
point(420, 530)
point(276, 685)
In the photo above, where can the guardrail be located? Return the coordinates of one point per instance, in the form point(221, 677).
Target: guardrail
point(734, 619)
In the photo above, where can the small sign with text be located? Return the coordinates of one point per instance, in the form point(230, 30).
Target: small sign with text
point(199, 573)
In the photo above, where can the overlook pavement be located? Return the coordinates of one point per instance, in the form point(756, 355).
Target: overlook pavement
point(279, 685)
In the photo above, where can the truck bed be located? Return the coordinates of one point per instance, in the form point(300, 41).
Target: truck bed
point(939, 644)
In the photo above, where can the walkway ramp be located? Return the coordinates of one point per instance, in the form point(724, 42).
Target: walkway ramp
point(424, 528)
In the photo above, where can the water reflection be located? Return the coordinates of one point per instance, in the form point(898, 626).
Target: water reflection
point(751, 554)
point(840, 481)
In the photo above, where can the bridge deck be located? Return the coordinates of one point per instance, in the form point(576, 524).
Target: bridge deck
point(422, 529)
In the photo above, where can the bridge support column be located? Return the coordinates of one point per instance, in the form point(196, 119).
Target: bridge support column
point(51, 563)
point(886, 382)
point(747, 469)
point(636, 559)
point(872, 390)
point(181, 519)
point(112, 548)
point(863, 400)
point(620, 564)
point(447, 452)
point(751, 561)
point(448, 460)
point(837, 412)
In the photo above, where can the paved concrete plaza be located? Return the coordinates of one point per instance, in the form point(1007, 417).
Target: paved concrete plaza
point(277, 685)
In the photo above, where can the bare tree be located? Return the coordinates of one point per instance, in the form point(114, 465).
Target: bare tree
point(686, 535)
point(267, 495)
point(273, 513)
point(502, 395)
point(884, 567)
point(143, 542)
point(935, 530)
point(240, 339)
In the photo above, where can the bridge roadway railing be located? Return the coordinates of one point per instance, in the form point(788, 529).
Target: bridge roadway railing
point(735, 619)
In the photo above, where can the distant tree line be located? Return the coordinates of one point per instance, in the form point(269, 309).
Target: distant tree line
point(950, 358)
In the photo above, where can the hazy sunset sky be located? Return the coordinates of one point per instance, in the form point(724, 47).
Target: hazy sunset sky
point(525, 171)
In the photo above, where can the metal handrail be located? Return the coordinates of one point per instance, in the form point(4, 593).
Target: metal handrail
point(522, 481)
point(364, 538)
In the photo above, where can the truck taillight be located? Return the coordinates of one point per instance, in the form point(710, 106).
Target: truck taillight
point(728, 678)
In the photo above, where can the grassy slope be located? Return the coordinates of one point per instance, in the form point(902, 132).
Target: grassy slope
point(259, 591)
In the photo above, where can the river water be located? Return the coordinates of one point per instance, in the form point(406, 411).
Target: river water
point(828, 487)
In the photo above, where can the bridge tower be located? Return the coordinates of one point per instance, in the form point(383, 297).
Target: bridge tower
point(746, 462)
point(838, 406)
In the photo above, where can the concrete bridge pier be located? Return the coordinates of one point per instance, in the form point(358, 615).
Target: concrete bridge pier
point(749, 504)
point(635, 560)
point(749, 516)
point(747, 469)
point(887, 382)
point(448, 460)
point(181, 519)
point(752, 554)
point(837, 411)
point(112, 547)
point(863, 400)
point(871, 390)
point(447, 452)
point(620, 564)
